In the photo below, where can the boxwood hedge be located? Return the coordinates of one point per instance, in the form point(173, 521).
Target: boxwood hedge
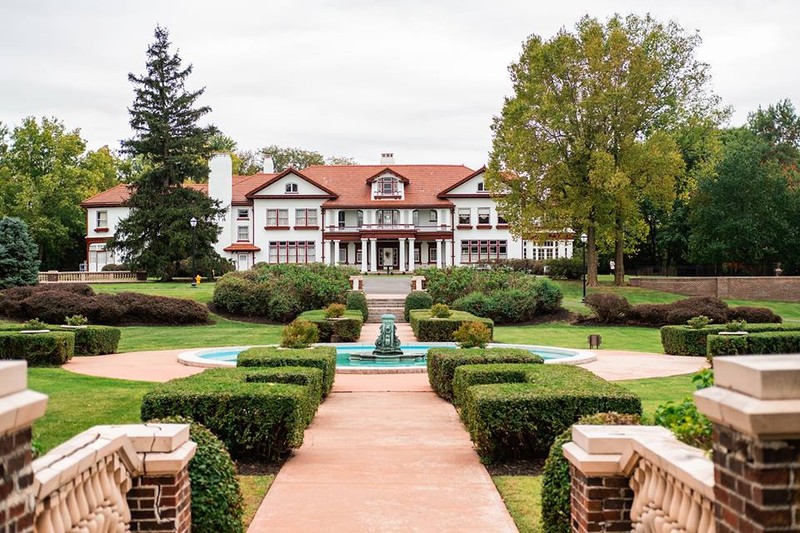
point(416, 300)
point(322, 357)
point(683, 340)
point(255, 416)
point(96, 340)
point(442, 363)
point(428, 329)
point(38, 349)
point(768, 342)
point(345, 329)
point(522, 418)
point(357, 300)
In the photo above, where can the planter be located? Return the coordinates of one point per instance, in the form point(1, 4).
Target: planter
point(73, 327)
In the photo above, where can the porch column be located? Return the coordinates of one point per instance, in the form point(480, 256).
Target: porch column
point(411, 254)
point(373, 255)
point(448, 253)
point(439, 253)
point(364, 253)
point(335, 254)
point(402, 264)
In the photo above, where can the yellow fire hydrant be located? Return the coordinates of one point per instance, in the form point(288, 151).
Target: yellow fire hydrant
point(198, 278)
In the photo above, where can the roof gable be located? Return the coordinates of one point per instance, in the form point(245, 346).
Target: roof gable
point(466, 187)
point(275, 187)
point(388, 171)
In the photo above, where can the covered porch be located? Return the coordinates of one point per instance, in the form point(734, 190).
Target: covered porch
point(383, 253)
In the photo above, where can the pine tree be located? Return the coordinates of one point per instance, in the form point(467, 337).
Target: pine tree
point(18, 252)
point(164, 117)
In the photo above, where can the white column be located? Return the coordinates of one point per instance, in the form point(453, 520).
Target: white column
point(364, 255)
point(443, 218)
point(402, 255)
point(423, 252)
point(439, 253)
point(448, 253)
point(373, 255)
point(411, 254)
point(335, 254)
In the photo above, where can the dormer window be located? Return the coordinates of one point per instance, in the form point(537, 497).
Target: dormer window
point(481, 187)
point(388, 186)
point(291, 188)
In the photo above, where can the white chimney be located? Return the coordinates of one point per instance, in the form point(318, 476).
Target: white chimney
point(220, 178)
point(269, 165)
point(387, 158)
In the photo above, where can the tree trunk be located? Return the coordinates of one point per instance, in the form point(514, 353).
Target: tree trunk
point(619, 254)
point(591, 257)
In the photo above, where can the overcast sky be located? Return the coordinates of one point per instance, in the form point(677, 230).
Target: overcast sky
point(420, 78)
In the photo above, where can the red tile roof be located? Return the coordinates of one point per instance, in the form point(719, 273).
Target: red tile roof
point(242, 247)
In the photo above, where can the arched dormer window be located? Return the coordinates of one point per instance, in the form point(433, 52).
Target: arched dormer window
point(388, 186)
point(291, 188)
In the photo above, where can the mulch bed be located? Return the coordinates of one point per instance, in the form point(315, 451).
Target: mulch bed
point(516, 468)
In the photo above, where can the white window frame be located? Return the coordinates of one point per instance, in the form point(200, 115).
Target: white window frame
point(102, 219)
point(484, 216)
point(291, 188)
point(281, 218)
point(481, 187)
point(305, 217)
point(239, 232)
point(242, 214)
point(464, 213)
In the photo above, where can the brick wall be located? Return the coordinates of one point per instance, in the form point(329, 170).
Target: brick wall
point(17, 504)
point(161, 503)
point(600, 503)
point(782, 288)
point(756, 483)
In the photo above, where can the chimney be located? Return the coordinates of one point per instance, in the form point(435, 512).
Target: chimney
point(269, 165)
point(387, 158)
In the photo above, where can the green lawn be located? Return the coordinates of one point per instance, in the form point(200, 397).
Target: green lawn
point(254, 488)
point(567, 336)
point(655, 391)
point(202, 293)
point(522, 496)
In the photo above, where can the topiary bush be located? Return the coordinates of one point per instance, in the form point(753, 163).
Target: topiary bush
point(429, 329)
point(767, 342)
point(320, 357)
point(38, 349)
point(683, 340)
point(472, 335)
point(217, 503)
point(96, 340)
point(255, 420)
point(416, 300)
point(299, 334)
point(608, 308)
point(440, 311)
point(556, 481)
point(345, 329)
point(442, 363)
point(335, 311)
point(521, 419)
point(698, 322)
point(357, 300)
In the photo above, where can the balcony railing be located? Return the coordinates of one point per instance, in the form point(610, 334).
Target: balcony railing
point(90, 277)
point(338, 228)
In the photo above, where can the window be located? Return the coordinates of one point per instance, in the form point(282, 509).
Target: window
point(481, 187)
point(291, 188)
point(432, 252)
point(305, 217)
point(483, 215)
point(242, 233)
point(464, 216)
point(387, 217)
point(483, 251)
point(358, 255)
point(416, 255)
point(341, 219)
point(434, 216)
point(102, 219)
point(501, 219)
point(242, 214)
point(415, 217)
point(359, 218)
point(387, 186)
point(292, 252)
point(277, 218)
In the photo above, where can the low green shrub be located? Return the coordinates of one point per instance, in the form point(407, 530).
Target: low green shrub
point(767, 342)
point(684, 420)
point(35, 324)
point(322, 357)
point(521, 420)
point(345, 329)
point(472, 335)
point(429, 329)
point(255, 420)
point(683, 340)
point(308, 376)
point(38, 349)
point(76, 320)
point(442, 363)
point(416, 300)
point(607, 307)
point(357, 300)
point(299, 334)
point(556, 480)
point(217, 503)
point(564, 268)
point(754, 315)
point(335, 310)
point(698, 322)
point(96, 340)
point(440, 311)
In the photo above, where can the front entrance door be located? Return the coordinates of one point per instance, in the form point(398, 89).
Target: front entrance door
point(387, 257)
point(244, 263)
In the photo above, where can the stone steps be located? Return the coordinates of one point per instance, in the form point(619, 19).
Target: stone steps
point(382, 305)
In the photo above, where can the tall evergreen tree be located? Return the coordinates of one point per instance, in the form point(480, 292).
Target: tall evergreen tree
point(175, 149)
point(18, 262)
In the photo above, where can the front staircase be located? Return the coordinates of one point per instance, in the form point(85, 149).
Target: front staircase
point(383, 304)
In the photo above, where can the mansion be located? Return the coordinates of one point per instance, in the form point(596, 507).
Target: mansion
point(372, 217)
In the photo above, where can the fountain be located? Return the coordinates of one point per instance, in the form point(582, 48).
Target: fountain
point(387, 345)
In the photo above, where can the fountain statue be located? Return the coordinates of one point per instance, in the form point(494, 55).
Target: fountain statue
point(387, 343)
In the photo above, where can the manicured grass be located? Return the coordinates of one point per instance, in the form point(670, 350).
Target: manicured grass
point(202, 293)
point(655, 391)
point(78, 402)
point(254, 488)
point(319, 314)
point(523, 498)
point(568, 336)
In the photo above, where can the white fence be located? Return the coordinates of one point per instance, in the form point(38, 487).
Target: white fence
point(54, 276)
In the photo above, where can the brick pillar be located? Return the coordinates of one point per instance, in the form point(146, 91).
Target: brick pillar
point(19, 407)
point(755, 410)
point(161, 503)
point(600, 503)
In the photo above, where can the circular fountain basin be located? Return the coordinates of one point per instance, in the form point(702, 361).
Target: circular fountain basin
point(226, 357)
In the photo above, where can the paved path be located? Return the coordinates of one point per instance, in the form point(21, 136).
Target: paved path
point(375, 285)
point(370, 330)
point(384, 453)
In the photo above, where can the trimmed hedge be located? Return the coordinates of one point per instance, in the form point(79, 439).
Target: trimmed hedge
point(96, 340)
point(522, 419)
point(322, 357)
point(38, 349)
point(293, 375)
point(256, 420)
point(683, 340)
point(428, 329)
point(357, 300)
point(416, 300)
point(346, 329)
point(767, 342)
point(217, 503)
point(442, 363)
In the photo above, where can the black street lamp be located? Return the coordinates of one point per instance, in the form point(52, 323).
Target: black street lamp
point(193, 223)
point(584, 238)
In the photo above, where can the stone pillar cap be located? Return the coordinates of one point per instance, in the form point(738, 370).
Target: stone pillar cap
point(765, 377)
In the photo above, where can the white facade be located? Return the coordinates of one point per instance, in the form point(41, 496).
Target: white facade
point(292, 218)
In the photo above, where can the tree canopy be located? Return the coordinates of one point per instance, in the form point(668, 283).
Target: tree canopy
point(172, 148)
point(251, 161)
point(586, 137)
point(18, 262)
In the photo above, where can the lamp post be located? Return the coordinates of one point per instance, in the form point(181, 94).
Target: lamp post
point(193, 223)
point(584, 238)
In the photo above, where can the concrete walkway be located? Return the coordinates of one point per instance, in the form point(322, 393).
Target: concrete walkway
point(394, 285)
point(370, 330)
point(384, 453)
